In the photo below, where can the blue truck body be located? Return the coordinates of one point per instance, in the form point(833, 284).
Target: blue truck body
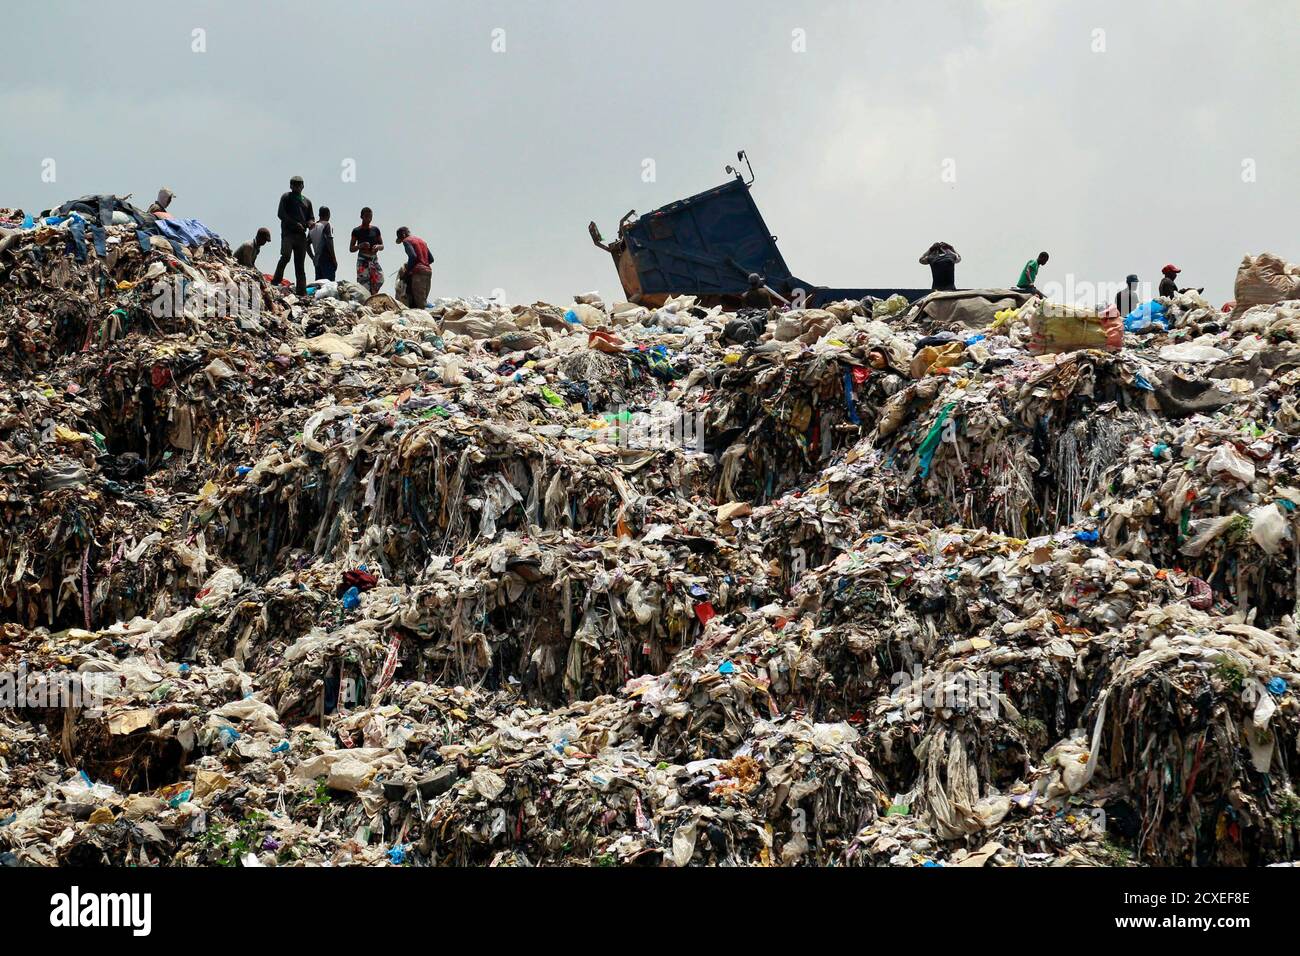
point(707, 245)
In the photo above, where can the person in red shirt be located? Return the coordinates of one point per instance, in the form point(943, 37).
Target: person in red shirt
point(418, 271)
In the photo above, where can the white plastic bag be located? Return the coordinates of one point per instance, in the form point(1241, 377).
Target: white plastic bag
point(450, 371)
point(1226, 460)
point(1268, 528)
point(1191, 352)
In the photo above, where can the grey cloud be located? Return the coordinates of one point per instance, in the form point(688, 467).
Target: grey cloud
point(1116, 162)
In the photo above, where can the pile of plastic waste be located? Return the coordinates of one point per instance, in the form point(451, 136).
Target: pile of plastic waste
point(978, 580)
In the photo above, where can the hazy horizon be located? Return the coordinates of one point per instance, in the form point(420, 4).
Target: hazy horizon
point(498, 130)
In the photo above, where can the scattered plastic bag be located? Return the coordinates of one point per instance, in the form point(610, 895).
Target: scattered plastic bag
point(1227, 461)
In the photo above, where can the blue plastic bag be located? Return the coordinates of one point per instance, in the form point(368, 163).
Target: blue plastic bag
point(1147, 317)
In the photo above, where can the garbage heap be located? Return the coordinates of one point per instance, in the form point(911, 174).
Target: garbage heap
point(980, 580)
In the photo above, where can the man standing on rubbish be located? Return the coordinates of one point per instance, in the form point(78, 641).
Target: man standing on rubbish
point(367, 243)
point(165, 197)
point(942, 260)
point(296, 218)
point(320, 246)
point(1029, 275)
point(246, 254)
point(418, 271)
point(1128, 298)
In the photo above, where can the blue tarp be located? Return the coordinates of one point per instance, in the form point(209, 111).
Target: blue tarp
point(189, 232)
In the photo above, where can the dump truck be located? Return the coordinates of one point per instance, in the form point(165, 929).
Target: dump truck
point(707, 246)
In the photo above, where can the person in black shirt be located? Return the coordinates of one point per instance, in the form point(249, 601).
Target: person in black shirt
point(367, 242)
point(1169, 284)
point(1127, 299)
point(296, 218)
point(942, 260)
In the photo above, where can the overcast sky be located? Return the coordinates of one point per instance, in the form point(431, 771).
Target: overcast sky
point(875, 128)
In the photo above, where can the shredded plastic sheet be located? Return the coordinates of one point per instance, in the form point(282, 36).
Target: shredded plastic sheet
point(594, 584)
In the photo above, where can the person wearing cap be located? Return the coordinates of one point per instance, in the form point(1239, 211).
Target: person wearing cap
point(1169, 284)
point(756, 296)
point(1029, 275)
point(942, 260)
point(1128, 299)
point(296, 219)
point(165, 197)
point(418, 271)
point(246, 254)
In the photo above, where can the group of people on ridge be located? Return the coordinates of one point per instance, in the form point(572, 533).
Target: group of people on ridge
point(303, 236)
point(943, 258)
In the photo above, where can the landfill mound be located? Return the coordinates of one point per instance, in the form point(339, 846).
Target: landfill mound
point(974, 581)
